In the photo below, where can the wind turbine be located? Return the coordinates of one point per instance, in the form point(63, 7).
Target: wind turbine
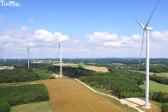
point(28, 57)
point(4, 59)
point(28, 53)
point(146, 33)
point(19, 59)
point(60, 58)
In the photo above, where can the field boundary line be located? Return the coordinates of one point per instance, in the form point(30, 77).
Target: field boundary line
point(96, 91)
point(20, 83)
point(139, 110)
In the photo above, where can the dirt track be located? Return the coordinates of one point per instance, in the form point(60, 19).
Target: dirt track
point(67, 95)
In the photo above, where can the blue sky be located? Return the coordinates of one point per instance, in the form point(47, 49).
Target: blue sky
point(79, 18)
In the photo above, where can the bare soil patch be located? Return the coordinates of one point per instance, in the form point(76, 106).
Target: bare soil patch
point(67, 95)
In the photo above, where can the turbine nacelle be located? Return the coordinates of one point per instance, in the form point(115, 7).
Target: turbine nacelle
point(144, 27)
point(148, 28)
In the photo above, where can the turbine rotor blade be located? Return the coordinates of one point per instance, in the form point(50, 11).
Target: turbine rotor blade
point(139, 23)
point(142, 44)
point(150, 17)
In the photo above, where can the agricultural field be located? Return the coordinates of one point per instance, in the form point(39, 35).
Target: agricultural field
point(156, 87)
point(67, 95)
point(21, 86)
point(68, 64)
point(89, 67)
point(44, 106)
point(96, 68)
point(163, 74)
point(118, 81)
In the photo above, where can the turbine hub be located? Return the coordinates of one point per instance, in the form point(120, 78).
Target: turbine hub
point(148, 28)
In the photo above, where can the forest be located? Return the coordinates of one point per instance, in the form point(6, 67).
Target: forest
point(15, 95)
point(22, 74)
point(121, 83)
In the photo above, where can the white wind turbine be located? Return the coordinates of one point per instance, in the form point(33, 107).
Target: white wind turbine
point(19, 59)
point(39, 46)
point(4, 59)
point(146, 34)
point(29, 46)
point(60, 57)
point(28, 57)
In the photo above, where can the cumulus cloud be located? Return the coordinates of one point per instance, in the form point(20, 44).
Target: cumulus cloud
point(160, 35)
point(107, 44)
point(112, 39)
point(44, 35)
point(102, 37)
point(15, 41)
point(96, 44)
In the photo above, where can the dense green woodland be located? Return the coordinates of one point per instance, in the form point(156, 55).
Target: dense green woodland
point(22, 74)
point(20, 94)
point(15, 95)
point(162, 98)
point(164, 107)
point(156, 68)
point(121, 83)
point(159, 79)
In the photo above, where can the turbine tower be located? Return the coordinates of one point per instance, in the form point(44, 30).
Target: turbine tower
point(19, 59)
point(28, 57)
point(146, 33)
point(4, 59)
point(60, 53)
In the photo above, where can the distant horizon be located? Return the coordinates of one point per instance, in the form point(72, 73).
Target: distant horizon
point(82, 58)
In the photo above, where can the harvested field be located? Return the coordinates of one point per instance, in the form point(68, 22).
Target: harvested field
point(97, 69)
point(163, 74)
point(89, 67)
point(67, 95)
point(67, 64)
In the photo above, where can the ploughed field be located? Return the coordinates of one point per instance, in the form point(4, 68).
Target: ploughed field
point(67, 95)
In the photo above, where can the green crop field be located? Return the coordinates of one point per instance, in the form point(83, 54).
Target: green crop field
point(43, 73)
point(156, 87)
point(164, 74)
point(33, 107)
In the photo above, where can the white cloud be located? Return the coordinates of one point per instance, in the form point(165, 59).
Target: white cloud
point(115, 44)
point(31, 20)
point(102, 36)
point(160, 35)
point(106, 44)
point(113, 40)
point(44, 35)
point(96, 44)
point(23, 29)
